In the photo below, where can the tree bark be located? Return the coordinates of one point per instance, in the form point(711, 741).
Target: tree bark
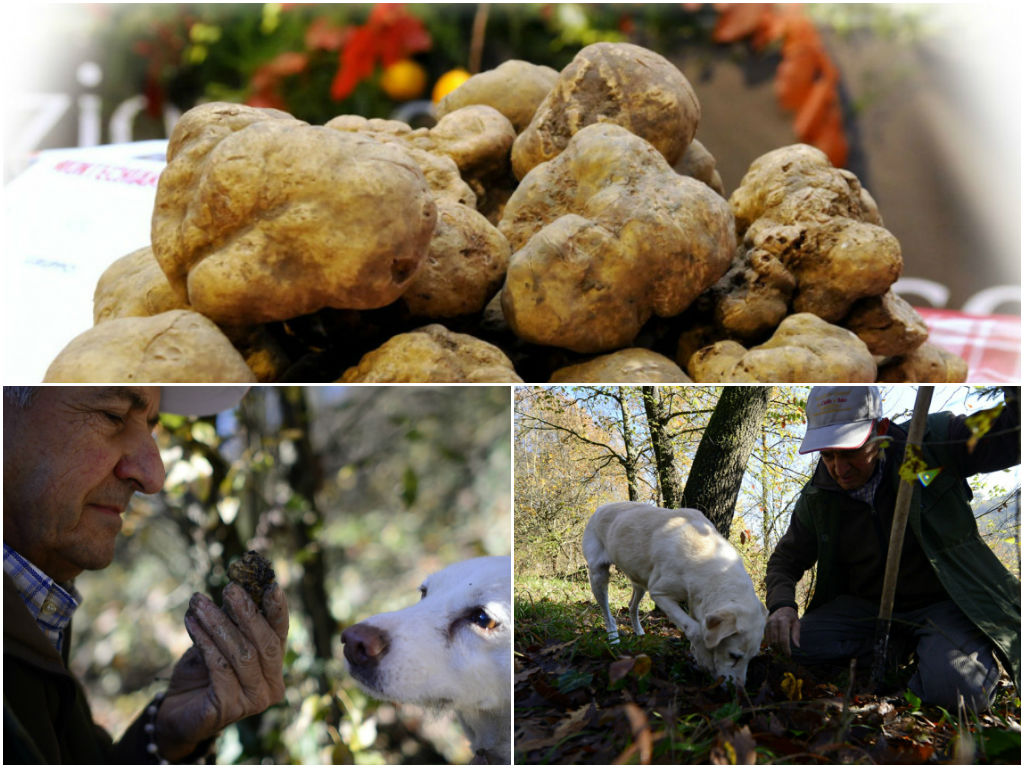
point(630, 459)
point(721, 458)
point(669, 486)
point(305, 478)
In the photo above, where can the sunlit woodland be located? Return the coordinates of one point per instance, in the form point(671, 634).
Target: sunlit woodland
point(356, 494)
point(580, 447)
point(733, 453)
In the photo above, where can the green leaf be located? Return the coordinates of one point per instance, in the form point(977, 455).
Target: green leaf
point(912, 699)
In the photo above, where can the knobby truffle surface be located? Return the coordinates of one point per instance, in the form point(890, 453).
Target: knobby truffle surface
point(260, 217)
point(254, 573)
point(604, 236)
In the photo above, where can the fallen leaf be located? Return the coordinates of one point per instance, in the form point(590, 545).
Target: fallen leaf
point(618, 670)
point(551, 649)
point(642, 667)
point(792, 686)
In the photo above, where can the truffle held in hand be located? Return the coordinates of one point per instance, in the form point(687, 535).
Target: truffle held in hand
point(254, 574)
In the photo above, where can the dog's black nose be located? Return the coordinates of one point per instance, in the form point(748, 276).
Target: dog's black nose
point(364, 644)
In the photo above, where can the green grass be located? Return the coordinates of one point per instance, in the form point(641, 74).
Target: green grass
point(552, 610)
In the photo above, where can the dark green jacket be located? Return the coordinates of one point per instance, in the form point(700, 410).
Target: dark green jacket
point(46, 715)
point(944, 556)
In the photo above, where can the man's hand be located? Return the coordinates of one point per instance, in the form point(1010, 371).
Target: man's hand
point(783, 627)
point(232, 671)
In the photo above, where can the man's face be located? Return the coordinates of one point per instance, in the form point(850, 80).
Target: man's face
point(73, 458)
point(851, 469)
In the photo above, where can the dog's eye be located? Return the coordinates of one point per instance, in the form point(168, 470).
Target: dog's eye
point(423, 592)
point(482, 619)
point(736, 657)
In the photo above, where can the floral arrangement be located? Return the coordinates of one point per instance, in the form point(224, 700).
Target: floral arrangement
point(320, 60)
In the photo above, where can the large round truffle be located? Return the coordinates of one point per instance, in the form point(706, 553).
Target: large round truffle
point(618, 83)
point(803, 348)
point(260, 217)
point(820, 225)
point(604, 236)
point(176, 346)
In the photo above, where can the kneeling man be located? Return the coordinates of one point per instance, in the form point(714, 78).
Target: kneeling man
point(956, 605)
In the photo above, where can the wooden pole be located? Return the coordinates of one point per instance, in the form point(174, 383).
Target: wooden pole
point(899, 524)
point(476, 43)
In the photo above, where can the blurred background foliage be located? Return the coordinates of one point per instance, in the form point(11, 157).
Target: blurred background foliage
point(318, 61)
point(571, 444)
point(356, 494)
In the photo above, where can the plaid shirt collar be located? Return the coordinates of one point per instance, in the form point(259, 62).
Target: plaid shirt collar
point(51, 604)
point(866, 492)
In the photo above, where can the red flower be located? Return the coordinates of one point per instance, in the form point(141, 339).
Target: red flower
point(389, 34)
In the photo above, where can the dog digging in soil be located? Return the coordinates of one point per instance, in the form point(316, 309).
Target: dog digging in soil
point(678, 557)
point(450, 651)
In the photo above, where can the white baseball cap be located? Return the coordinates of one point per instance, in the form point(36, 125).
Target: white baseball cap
point(188, 400)
point(840, 417)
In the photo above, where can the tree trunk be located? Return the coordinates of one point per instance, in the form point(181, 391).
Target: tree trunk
point(721, 458)
point(767, 521)
point(658, 416)
point(305, 478)
point(629, 462)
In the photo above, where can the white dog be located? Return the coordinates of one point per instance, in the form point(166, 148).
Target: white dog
point(452, 650)
point(679, 557)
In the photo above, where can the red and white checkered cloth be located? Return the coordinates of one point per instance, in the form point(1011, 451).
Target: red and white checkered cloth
point(989, 343)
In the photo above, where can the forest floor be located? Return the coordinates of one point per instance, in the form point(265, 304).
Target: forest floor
point(579, 701)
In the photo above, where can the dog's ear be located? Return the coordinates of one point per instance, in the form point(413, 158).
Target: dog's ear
point(718, 626)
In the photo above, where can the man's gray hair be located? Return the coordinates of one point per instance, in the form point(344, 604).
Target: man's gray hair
point(19, 397)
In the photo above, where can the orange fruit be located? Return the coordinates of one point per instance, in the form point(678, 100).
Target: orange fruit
point(448, 82)
point(403, 80)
